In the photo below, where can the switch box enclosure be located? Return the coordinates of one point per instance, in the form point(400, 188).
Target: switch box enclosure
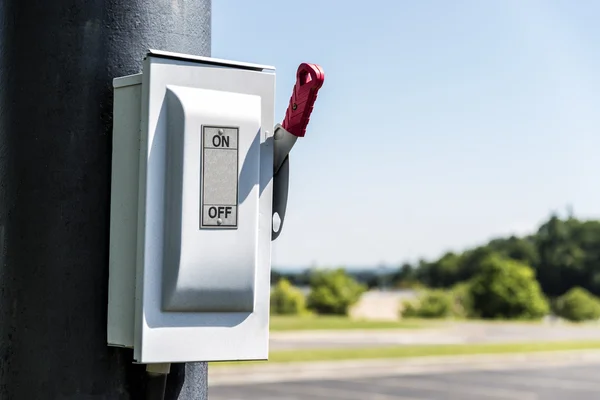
point(191, 210)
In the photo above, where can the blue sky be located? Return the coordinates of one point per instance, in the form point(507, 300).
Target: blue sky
point(441, 124)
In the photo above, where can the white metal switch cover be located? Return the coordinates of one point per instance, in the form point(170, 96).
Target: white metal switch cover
point(211, 226)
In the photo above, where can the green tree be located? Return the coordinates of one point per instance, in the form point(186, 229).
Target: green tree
point(563, 252)
point(430, 304)
point(578, 305)
point(463, 301)
point(405, 276)
point(562, 260)
point(519, 249)
point(453, 268)
point(287, 299)
point(507, 289)
point(441, 273)
point(586, 234)
point(333, 292)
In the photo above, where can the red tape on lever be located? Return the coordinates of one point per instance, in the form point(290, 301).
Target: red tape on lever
point(309, 80)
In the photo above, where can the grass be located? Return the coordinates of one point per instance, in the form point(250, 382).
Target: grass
point(307, 323)
point(417, 351)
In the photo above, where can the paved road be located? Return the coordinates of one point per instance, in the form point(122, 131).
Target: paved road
point(450, 333)
point(549, 383)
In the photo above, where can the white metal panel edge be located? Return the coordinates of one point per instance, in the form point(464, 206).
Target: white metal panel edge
point(210, 60)
point(123, 213)
point(123, 81)
point(179, 336)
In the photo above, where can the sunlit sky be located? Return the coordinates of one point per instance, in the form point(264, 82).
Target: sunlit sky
point(441, 123)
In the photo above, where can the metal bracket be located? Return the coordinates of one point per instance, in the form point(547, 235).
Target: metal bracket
point(283, 143)
point(280, 194)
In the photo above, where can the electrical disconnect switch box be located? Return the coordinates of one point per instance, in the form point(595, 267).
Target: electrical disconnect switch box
point(191, 210)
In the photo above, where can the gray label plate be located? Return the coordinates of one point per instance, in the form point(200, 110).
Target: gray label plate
point(219, 185)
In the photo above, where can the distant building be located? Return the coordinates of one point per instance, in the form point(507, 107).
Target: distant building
point(381, 305)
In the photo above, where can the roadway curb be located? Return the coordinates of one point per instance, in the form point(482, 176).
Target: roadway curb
point(300, 371)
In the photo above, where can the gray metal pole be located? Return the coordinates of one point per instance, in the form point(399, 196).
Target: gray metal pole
point(57, 62)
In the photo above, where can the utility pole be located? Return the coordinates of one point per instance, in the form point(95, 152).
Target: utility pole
point(57, 62)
